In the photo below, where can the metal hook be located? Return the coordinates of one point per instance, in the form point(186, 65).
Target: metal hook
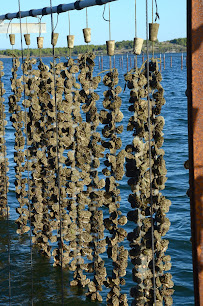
point(8, 28)
point(56, 22)
point(104, 13)
point(40, 25)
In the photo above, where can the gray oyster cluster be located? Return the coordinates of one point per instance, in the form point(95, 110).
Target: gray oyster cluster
point(94, 193)
point(3, 161)
point(77, 163)
point(114, 171)
point(137, 169)
point(42, 164)
point(63, 198)
point(18, 118)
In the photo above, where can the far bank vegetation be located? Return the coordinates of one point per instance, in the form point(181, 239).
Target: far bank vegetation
point(122, 47)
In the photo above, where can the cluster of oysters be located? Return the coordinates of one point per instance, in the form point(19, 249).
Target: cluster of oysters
point(3, 160)
point(147, 209)
point(110, 117)
point(62, 197)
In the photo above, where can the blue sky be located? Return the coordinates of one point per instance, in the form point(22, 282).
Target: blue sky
point(172, 21)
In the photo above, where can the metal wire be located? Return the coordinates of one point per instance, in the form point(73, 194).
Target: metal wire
point(150, 164)
point(6, 191)
point(57, 152)
point(157, 14)
point(28, 172)
point(135, 19)
point(152, 11)
point(108, 20)
point(86, 18)
point(69, 21)
point(153, 22)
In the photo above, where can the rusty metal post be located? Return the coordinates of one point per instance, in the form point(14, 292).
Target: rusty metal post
point(195, 128)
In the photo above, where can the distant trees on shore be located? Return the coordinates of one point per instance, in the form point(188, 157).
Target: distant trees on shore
point(177, 45)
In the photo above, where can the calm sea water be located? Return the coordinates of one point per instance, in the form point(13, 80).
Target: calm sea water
point(47, 284)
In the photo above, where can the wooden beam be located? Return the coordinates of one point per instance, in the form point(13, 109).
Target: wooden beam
point(195, 128)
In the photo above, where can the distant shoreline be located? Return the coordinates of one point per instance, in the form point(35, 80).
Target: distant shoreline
point(173, 46)
point(124, 53)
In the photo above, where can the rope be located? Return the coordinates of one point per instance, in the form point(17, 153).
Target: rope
point(57, 152)
point(152, 22)
point(108, 20)
point(40, 32)
point(8, 28)
point(26, 141)
point(26, 26)
point(150, 164)
point(157, 14)
point(7, 210)
point(135, 19)
point(152, 11)
point(69, 32)
point(56, 22)
point(86, 18)
point(69, 21)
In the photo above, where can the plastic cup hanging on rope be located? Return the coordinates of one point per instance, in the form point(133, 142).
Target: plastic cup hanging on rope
point(12, 39)
point(154, 27)
point(40, 39)
point(70, 38)
point(54, 36)
point(87, 31)
point(27, 36)
point(138, 42)
point(110, 44)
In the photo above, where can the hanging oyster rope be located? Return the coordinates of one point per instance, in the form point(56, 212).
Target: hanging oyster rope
point(81, 191)
point(77, 159)
point(137, 168)
point(66, 142)
point(17, 119)
point(94, 193)
point(43, 174)
point(4, 209)
point(114, 172)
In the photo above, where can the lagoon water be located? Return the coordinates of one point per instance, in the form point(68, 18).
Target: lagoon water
point(47, 280)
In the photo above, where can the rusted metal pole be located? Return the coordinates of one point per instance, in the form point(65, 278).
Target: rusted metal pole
point(195, 131)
